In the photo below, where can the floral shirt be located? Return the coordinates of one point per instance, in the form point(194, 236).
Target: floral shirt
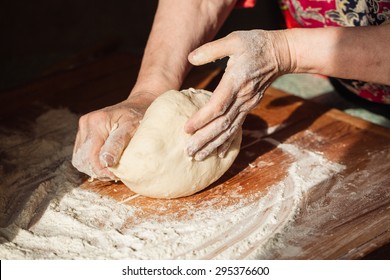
point(323, 13)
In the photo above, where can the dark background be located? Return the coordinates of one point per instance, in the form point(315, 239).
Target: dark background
point(36, 36)
point(41, 37)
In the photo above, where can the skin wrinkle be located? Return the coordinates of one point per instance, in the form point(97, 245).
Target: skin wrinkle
point(325, 51)
point(116, 146)
point(222, 150)
point(224, 119)
point(79, 160)
point(227, 135)
point(251, 69)
point(86, 155)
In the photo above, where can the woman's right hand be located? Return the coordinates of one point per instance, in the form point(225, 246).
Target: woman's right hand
point(104, 134)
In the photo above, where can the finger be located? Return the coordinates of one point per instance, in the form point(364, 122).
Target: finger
point(99, 171)
point(212, 129)
point(81, 137)
point(86, 157)
point(212, 51)
point(116, 142)
point(219, 102)
point(220, 139)
point(223, 149)
point(78, 159)
point(81, 158)
point(77, 144)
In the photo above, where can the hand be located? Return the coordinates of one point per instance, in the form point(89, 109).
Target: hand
point(256, 58)
point(104, 134)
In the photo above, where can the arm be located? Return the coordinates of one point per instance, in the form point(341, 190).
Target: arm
point(358, 53)
point(179, 26)
point(258, 57)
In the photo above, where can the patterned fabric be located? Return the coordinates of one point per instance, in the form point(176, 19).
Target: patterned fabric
point(324, 13)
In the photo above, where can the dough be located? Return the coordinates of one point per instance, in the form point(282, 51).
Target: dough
point(155, 163)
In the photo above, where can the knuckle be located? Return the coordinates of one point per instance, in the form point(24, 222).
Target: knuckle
point(233, 129)
point(238, 38)
point(93, 118)
point(233, 35)
point(83, 121)
point(220, 108)
point(225, 122)
point(97, 117)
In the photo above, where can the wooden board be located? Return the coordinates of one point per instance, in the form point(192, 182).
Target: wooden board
point(345, 216)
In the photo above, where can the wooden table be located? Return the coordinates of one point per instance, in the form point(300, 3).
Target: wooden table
point(345, 216)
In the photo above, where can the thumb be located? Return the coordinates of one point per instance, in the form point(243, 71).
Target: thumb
point(116, 142)
point(211, 51)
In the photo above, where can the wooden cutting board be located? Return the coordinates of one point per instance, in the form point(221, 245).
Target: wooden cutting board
point(345, 216)
point(335, 166)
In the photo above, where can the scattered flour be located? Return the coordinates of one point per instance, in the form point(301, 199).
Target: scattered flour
point(45, 215)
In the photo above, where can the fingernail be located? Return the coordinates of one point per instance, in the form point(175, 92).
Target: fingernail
point(188, 128)
point(200, 156)
point(191, 148)
point(222, 154)
point(190, 152)
point(108, 159)
point(196, 57)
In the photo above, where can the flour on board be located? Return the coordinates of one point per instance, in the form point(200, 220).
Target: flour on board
point(44, 215)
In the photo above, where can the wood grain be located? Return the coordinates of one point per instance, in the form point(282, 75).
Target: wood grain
point(344, 217)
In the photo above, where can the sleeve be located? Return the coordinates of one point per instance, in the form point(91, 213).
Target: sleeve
point(245, 3)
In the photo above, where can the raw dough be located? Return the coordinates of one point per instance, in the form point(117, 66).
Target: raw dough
point(155, 163)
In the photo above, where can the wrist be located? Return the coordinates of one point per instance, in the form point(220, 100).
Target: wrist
point(142, 97)
point(285, 51)
point(152, 83)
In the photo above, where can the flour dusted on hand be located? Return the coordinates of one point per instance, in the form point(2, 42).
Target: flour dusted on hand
point(155, 163)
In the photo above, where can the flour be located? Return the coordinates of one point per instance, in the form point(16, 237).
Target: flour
point(45, 215)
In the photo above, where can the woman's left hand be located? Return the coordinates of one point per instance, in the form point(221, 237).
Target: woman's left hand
point(256, 59)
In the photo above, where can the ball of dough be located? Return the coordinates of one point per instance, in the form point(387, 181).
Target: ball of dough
point(155, 163)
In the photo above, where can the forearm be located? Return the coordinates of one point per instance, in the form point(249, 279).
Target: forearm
point(359, 53)
point(178, 28)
